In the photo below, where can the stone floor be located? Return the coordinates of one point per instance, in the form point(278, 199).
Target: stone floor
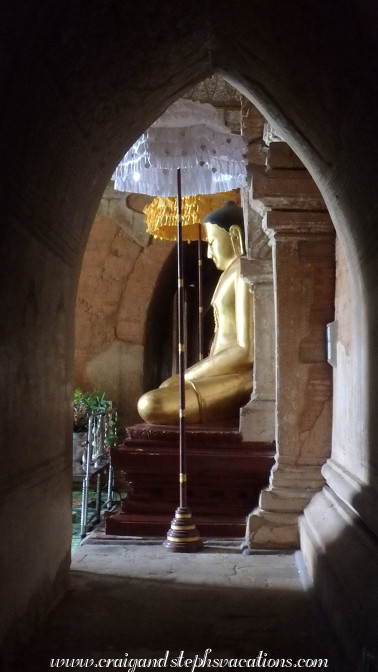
point(139, 599)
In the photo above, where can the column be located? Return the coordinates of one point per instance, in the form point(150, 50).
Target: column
point(304, 276)
point(257, 418)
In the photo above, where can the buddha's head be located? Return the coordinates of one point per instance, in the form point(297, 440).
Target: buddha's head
point(224, 232)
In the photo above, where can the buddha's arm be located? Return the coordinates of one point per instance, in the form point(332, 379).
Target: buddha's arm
point(238, 354)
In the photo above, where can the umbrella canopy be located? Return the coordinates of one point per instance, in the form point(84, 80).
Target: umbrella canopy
point(190, 136)
point(161, 214)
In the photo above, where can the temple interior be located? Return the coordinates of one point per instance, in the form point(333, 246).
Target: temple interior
point(284, 491)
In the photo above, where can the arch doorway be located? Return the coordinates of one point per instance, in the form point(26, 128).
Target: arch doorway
point(125, 328)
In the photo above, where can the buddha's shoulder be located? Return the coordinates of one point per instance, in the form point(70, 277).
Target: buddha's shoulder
point(234, 269)
point(226, 282)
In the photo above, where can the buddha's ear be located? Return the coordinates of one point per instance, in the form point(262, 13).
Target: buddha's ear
point(237, 240)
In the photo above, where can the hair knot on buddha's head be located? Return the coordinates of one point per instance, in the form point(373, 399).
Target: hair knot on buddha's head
point(228, 214)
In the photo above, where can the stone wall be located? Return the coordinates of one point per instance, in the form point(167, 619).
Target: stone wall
point(342, 393)
point(118, 276)
point(339, 525)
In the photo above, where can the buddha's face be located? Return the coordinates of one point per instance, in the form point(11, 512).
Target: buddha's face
point(219, 245)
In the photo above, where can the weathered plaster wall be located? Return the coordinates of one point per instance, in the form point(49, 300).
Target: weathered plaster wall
point(342, 442)
point(339, 525)
point(119, 271)
point(35, 465)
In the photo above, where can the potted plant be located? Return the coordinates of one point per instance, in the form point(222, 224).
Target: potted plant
point(86, 404)
point(112, 436)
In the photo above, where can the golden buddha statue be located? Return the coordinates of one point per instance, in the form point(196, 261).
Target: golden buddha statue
point(218, 385)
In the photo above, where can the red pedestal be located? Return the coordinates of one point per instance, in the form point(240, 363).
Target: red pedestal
point(225, 477)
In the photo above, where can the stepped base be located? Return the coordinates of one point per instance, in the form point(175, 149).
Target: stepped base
point(225, 477)
point(183, 536)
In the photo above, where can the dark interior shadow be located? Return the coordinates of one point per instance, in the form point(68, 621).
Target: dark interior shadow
point(108, 616)
point(160, 320)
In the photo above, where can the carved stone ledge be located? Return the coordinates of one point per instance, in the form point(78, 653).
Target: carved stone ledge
point(298, 224)
point(285, 188)
point(269, 530)
point(274, 524)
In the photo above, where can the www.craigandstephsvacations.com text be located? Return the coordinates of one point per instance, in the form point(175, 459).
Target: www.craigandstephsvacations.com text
point(192, 663)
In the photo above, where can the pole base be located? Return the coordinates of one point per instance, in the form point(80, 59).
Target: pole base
point(183, 536)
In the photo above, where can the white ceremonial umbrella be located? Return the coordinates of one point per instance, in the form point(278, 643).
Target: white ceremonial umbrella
point(190, 136)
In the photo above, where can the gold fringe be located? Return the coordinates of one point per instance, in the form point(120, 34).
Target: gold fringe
point(161, 214)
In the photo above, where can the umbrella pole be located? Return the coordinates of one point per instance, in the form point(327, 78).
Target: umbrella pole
point(183, 536)
point(200, 297)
